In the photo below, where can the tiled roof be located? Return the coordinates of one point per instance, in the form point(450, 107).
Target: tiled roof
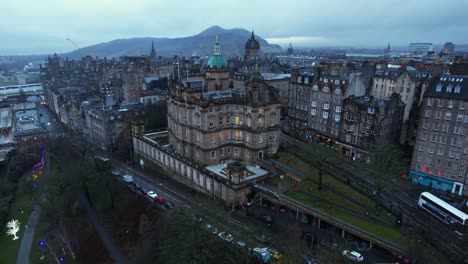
point(449, 86)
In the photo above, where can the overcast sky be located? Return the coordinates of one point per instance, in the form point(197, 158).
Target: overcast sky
point(43, 26)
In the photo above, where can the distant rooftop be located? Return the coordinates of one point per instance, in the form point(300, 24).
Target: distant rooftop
point(219, 169)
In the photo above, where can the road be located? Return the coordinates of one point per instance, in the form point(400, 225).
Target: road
point(399, 201)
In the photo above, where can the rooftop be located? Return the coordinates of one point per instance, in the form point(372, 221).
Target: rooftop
point(253, 171)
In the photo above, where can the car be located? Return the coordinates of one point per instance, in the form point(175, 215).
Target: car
point(260, 254)
point(144, 190)
point(215, 231)
point(249, 203)
point(127, 179)
point(329, 244)
point(266, 219)
point(226, 237)
point(208, 227)
point(137, 186)
point(152, 194)
point(238, 244)
point(274, 253)
point(353, 255)
point(283, 210)
point(168, 205)
point(115, 172)
point(307, 259)
point(160, 200)
point(196, 218)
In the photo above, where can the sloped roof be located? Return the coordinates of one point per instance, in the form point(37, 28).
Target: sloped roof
point(457, 84)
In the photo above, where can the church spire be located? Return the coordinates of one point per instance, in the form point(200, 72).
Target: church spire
point(217, 48)
point(153, 51)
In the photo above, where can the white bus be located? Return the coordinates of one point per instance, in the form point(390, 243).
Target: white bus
point(441, 209)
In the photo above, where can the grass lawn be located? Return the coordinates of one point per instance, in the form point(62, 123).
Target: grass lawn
point(387, 233)
point(20, 209)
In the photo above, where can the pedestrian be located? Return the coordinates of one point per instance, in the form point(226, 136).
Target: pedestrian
point(26, 226)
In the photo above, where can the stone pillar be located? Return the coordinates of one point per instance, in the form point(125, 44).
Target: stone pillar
point(342, 233)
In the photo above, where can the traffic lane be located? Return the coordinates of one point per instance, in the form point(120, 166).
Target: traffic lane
point(152, 185)
point(157, 185)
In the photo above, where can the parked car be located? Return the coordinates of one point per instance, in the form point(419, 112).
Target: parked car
point(260, 254)
point(353, 255)
point(127, 178)
point(238, 244)
point(208, 227)
point(115, 172)
point(144, 190)
point(196, 218)
point(137, 186)
point(307, 259)
point(274, 253)
point(152, 194)
point(168, 205)
point(215, 231)
point(160, 200)
point(266, 219)
point(226, 237)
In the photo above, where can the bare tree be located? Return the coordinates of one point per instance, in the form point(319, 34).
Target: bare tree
point(65, 237)
point(12, 228)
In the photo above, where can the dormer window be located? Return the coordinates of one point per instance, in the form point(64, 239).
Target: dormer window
point(326, 89)
point(439, 87)
point(299, 79)
point(370, 110)
point(448, 89)
point(306, 80)
point(315, 88)
point(325, 80)
point(457, 89)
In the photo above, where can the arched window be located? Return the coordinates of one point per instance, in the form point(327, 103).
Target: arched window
point(273, 119)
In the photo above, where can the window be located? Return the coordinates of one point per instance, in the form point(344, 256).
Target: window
point(440, 151)
point(211, 109)
point(450, 104)
point(457, 130)
point(454, 141)
point(448, 115)
point(213, 138)
point(306, 80)
point(228, 119)
point(337, 118)
point(220, 122)
point(421, 148)
point(238, 135)
point(445, 127)
point(238, 120)
point(221, 152)
point(459, 118)
point(457, 89)
point(338, 109)
point(423, 136)
point(326, 106)
point(314, 104)
point(439, 103)
point(430, 149)
point(451, 154)
point(428, 161)
point(429, 102)
point(260, 139)
point(313, 112)
point(370, 110)
point(428, 113)
point(448, 89)
point(325, 115)
point(236, 151)
point(419, 158)
point(213, 154)
point(434, 138)
point(443, 139)
point(439, 87)
point(438, 163)
point(236, 108)
point(425, 124)
point(438, 114)
point(229, 150)
point(211, 122)
point(436, 126)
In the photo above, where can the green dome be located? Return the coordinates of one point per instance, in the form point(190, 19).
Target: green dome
point(217, 61)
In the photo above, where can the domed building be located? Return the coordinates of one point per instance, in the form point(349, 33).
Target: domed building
point(217, 61)
point(252, 47)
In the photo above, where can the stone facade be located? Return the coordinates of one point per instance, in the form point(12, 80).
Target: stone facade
point(209, 122)
point(441, 149)
point(368, 121)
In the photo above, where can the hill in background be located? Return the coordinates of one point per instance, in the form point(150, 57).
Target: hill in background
point(232, 43)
